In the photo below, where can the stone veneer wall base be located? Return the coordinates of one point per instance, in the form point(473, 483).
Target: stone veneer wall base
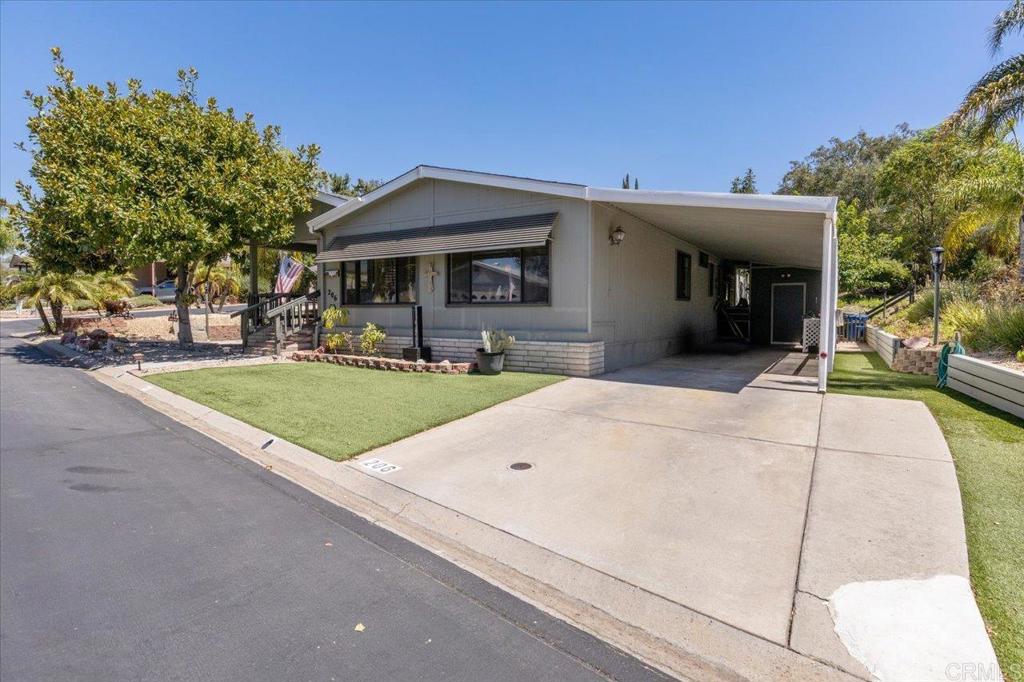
point(571, 358)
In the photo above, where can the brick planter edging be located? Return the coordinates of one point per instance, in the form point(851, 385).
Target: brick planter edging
point(917, 361)
point(384, 363)
point(899, 359)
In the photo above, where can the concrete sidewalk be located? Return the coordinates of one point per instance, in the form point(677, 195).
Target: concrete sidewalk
point(771, 545)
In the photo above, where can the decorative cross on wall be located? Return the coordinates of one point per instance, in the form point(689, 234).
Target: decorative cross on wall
point(432, 273)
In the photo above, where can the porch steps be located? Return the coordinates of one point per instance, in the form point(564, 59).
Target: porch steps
point(261, 342)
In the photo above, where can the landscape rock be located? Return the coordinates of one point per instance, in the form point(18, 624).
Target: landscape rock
point(917, 342)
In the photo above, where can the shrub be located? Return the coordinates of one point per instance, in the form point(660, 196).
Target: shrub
point(335, 317)
point(884, 275)
point(371, 338)
point(336, 343)
point(985, 268)
point(987, 328)
point(953, 291)
point(145, 301)
point(496, 341)
point(966, 317)
point(1004, 328)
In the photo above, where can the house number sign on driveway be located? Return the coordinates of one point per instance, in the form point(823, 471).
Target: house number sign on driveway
point(379, 465)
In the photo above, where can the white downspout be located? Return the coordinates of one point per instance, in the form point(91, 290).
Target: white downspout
point(826, 314)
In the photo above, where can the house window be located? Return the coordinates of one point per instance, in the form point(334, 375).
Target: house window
point(504, 277)
point(683, 272)
point(379, 281)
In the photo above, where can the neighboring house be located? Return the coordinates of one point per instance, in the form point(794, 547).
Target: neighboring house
point(148, 276)
point(587, 279)
point(20, 263)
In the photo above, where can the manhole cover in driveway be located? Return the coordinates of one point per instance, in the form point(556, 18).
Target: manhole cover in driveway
point(520, 466)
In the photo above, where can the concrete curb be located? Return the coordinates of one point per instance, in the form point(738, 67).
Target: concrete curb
point(663, 634)
point(55, 349)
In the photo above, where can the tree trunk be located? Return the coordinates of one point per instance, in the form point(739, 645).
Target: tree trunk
point(57, 310)
point(181, 304)
point(44, 318)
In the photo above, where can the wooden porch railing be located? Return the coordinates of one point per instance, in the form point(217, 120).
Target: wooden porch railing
point(269, 309)
point(289, 317)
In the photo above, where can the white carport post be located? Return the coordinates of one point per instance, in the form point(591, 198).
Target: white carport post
point(826, 316)
point(834, 266)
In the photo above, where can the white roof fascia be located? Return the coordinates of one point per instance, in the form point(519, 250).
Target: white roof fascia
point(758, 202)
point(330, 199)
point(761, 202)
point(355, 203)
point(451, 175)
point(506, 182)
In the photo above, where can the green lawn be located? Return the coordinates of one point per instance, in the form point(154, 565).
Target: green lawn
point(343, 411)
point(988, 448)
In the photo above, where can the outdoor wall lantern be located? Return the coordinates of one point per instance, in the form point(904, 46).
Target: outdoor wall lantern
point(937, 264)
point(617, 235)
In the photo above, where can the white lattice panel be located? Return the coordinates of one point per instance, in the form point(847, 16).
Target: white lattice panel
point(812, 331)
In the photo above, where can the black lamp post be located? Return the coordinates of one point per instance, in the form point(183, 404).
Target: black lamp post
point(937, 264)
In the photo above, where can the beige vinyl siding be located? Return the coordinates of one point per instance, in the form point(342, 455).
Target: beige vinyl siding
point(635, 309)
point(438, 202)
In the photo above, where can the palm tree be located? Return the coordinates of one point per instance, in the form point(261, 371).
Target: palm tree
point(991, 110)
point(110, 286)
point(217, 283)
point(991, 189)
point(57, 289)
point(998, 98)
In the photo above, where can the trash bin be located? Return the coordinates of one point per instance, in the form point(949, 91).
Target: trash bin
point(856, 325)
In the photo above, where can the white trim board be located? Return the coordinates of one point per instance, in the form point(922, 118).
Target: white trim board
point(758, 202)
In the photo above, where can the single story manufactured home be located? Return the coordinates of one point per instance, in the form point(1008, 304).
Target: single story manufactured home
point(587, 279)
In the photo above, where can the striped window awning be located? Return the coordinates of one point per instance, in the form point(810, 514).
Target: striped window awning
point(480, 235)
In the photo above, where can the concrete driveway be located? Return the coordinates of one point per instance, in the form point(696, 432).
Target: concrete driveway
point(745, 497)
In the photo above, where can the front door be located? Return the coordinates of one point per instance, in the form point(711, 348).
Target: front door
point(788, 302)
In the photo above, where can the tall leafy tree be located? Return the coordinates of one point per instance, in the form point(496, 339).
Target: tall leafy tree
point(911, 189)
point(126, 178)
point(990, 192)
point(844, 168)
point(10, 237)
point(744, 184)
point(339, 183)
point(866, 260)
point(342, 184)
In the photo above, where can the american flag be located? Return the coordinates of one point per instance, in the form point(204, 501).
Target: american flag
point(287, 275)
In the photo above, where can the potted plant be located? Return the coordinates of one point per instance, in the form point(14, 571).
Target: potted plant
point(491, 358)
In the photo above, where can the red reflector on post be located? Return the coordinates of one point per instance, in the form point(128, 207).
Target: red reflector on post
point(823, 355)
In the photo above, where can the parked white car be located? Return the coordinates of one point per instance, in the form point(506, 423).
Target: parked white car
point(164, 290)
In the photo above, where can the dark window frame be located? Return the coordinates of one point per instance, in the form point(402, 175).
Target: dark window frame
point(684, 286)
point(474, 255)
point(355, 266)
point(712, 278)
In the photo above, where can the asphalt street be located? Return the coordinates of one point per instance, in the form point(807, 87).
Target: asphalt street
point(133, 548)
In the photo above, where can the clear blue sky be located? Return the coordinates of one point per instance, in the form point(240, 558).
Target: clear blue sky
point(685, 96)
